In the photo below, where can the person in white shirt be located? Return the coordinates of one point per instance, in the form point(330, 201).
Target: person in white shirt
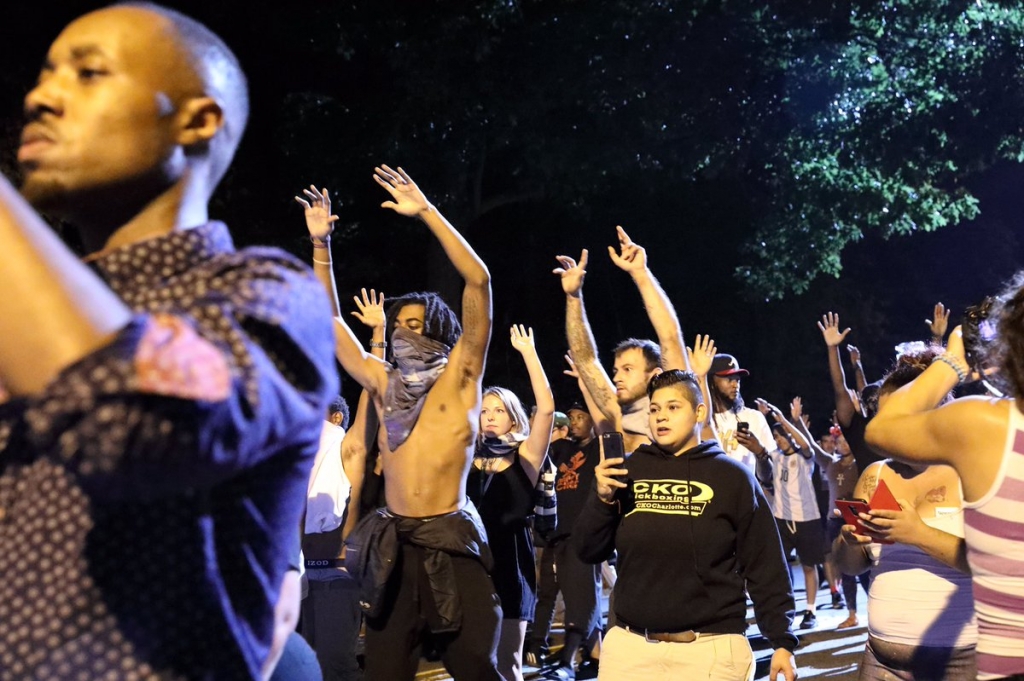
point(743, 432)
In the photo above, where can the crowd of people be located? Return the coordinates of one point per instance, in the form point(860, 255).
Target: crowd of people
point(182, 495)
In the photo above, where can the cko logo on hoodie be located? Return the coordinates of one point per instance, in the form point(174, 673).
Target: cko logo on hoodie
point(676, 497)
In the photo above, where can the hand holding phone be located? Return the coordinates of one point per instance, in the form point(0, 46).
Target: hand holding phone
point(852, 508)
point(609, 475)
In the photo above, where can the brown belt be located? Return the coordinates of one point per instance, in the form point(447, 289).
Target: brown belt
point(664, 636)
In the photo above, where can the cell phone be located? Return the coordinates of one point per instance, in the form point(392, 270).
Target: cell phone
point(881, 500)
point(612, 446)
point(743, 426)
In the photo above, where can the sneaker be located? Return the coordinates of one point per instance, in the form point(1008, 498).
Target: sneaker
point(809, 620)
point(587, 669)
point(534, 654)
point(837, 601)
point(849, 622)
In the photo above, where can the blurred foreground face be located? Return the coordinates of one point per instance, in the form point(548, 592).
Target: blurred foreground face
point(102, 117)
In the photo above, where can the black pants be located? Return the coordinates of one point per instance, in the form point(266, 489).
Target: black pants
point(395, 638)
point(330, 622)
point(580, 584)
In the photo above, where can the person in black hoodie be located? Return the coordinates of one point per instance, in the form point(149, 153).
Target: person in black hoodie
point(692, 527)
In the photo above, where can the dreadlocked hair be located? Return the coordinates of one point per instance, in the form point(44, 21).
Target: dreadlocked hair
point(907, 367)
point(439, 322)
point(1006, 351)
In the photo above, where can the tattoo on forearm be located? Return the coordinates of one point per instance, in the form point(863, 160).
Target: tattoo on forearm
point(581, 344)
point(577, 331)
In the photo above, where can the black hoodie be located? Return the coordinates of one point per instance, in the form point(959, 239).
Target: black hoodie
point(690, 531)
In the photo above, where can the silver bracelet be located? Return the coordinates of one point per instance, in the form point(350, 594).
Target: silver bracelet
point(954, 363)
point(322, 262)
point(381, 345)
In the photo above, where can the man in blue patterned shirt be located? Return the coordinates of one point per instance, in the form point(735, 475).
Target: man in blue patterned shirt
point(165, 399)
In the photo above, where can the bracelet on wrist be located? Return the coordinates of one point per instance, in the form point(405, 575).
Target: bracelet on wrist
point(320, 243)
point(381, 344)
point(322, 262)
point(955, 363)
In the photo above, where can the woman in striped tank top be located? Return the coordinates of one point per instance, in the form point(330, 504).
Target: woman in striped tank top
point(982, 438)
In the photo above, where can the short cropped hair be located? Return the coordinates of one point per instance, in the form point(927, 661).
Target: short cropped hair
point(339, 406)
point(686, 381)
point(220, 76)
point(652, 353)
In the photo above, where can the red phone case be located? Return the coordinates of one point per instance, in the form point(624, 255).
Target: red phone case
point(881, 500)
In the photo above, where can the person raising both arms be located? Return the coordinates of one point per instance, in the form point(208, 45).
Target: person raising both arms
point(622, 399)
point(428, 399)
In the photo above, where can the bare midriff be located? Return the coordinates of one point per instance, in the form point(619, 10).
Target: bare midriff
point(426, 474)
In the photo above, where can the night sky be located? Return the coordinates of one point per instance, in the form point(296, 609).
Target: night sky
point(692, 234)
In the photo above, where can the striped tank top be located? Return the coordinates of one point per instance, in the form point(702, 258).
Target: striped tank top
point(994, 529)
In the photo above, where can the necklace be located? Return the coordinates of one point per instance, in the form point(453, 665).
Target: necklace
point(488, 463)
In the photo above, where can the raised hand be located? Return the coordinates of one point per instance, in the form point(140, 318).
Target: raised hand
point(854, 353)
point(631, 257)
point(407, 198)
point(767, 408)
point(829, 326)
point(940, 321)
point(796, 409)
point(571, 273)
point(955, 344)
point(370, 309)
point(522, 339)
point(701, 354)
point(571, 371)
point(317, 205)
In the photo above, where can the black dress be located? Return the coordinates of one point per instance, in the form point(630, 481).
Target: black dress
point(505, 501)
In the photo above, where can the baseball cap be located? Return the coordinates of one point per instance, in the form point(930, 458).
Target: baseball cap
point(727, 365)
point(577, 406)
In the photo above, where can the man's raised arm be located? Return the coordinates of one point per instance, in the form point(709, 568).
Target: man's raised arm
point(368, 370)
point(54, 310)
point(582, 346)
point(632, 258)
point(409, 200)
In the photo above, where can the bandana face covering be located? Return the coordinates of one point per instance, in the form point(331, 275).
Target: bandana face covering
point(418, 361)
point(499, 446)
point(636, 420)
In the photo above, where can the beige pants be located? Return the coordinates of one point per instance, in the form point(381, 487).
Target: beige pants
point(715, 657)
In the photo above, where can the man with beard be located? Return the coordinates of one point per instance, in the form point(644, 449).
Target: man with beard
point(744, 432)
point(423, 560)
point(166, 399)
point(622, 399)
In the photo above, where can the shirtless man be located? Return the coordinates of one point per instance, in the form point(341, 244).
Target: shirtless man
point(622, 399)
point(423, 561)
